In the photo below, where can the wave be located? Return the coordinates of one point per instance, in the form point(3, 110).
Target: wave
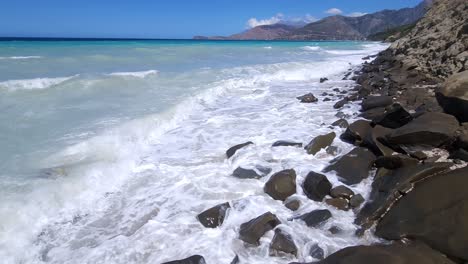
point(268, 47)
point(20, 57)
point(32, 84)
point(138, 74)
point(310, 48)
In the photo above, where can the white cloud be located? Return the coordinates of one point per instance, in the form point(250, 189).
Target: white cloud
point(253, 22)
point(334, 11)
point(356, 14)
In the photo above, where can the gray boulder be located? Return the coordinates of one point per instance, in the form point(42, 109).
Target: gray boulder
point(231, 151)
point(356, 132)
point(320, 142)
point(341, 123)
point(307, 98)
point(341, 192)
point(284, 143)
point(376, 101)
point(242, 173)
point(281, 185)
point(316, 186)
point(251, 231)
point(196, 259)
point(453, 96)
point(395, 116)
point(353, 167)
point(282, 242)
point(214, 216)
point(316, 217)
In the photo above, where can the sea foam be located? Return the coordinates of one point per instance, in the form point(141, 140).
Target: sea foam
point(36, 83)
point(138, 74)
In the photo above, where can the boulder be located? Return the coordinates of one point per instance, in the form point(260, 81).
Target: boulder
point(322, 80)
point(341, 192)
point(196, 259)
point(251, 231)
point(242, 173)
point(356, 201)
point(339, 203)
point(429, 129)
point(231, 151)
point(316, 186)
point(316, 217)
point(373, 113)
point(453, 96)
point(284, 143)
point(214, 216)
point(391, 185)
point(332, 150)
point(459, 154)
point(292, 204)
point(387, 254)
point(326, 99)
point(356, 132)
point(316, 252)
point(341, 123)
point(320, 142)
point(435, 212)
point(282, 242)
point(353, 167)
point(307, 98)
point(340, 103)
point(281, 185)
point(374, 141)
point(236, 260)
point(395, 162)
point(395, 116)
point(376, 101)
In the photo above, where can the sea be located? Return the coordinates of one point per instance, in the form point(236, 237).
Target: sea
point(109, 149)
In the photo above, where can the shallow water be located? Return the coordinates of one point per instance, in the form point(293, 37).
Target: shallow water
point(110, 149)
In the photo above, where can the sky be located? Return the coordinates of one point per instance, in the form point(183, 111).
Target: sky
point(168, 18)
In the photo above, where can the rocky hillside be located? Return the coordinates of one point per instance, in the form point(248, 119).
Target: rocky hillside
point(335, 27)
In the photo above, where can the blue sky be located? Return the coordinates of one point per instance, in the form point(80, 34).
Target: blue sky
point(166, 18)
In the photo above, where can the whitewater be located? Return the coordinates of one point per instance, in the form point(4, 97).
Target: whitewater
point(111, 148)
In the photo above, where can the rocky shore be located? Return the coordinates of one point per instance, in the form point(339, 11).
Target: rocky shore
point(412, 140)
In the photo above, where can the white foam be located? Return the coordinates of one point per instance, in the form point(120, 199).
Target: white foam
point(311, 48)
point(20, 57)
point(268, 47)
point(138, 74)
point(36, 83)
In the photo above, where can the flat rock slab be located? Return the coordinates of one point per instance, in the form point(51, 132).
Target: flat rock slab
point(387, 254)
point(429, 129)
point(214, 216)
point(196, 259)
point(435, 212)
point(251, 231)
point(281, 185)
point(231, 151)
point(353, 167)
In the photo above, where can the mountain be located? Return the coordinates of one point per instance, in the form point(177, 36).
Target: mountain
point(336, 27)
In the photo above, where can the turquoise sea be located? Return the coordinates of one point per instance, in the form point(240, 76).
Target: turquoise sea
point(109, 149)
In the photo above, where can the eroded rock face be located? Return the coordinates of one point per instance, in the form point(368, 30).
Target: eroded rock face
point(231, 151)
point(196, 259)
point(387, 254)
point(453, 96)
point(281, 243)
point(214, 216)
point(316, 186)
point(430, 129)
point(281, 185)
point(320, 142)
point(353, 167)
point(251, 231)
point(435, 212)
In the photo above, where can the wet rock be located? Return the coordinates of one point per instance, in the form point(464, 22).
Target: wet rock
point(376, 101)
point(356, 201)
point(326, 99)
point(389, 185)
point(374, 141)
point(322, 80)
point(292, 204)
point(395, 116)
point(316, 252)
point(341, 192)
point(387, 254)
point(336, 90)
point(214, 216)
point(316, 186)
point(453, 96)
point(242, 173)
point(341, 123)
point(332, 150)
point(235, 260)
point(230, 152)
point(307, 98)
point(251, 232)
point(316, 217)
point(394, 162)
point(320, 142)
point(435, 212)
point(282, 242)
point(334, 230)
point(324, 94)
point(353, 167)
point(373, 113)
point(284, 143)
point(431, 129)
point(339, 203)
point(356, 132)
point(415, 154)
point(340, 103)
point(196, 259)
point(281, 185)
point(340, 114)
point(459, 154)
